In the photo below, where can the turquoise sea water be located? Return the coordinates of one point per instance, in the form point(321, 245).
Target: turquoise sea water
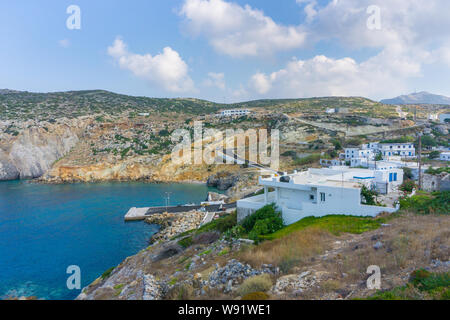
point(46, 228)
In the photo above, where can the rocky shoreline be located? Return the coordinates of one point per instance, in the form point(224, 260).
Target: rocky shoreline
point(174, 224)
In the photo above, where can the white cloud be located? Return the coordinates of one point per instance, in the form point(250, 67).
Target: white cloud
point(215, 80)
point(323, 76)
point(65, 43)
point(309, 8)
point(239, 31)
point(413, 35)
point(261, 83)
point(166, 69)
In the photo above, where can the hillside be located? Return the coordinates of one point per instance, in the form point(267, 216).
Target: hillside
point(315, 258)
point(22, 105)
point(101, 136)
point(418, 98)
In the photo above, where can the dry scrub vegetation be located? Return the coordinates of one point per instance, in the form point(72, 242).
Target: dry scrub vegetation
point(293, 249)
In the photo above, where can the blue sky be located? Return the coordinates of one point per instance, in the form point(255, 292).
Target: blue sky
point(227, 51)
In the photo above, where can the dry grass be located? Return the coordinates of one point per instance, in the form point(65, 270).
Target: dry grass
point(411, 242)
point(260, 283)
point(290, 250)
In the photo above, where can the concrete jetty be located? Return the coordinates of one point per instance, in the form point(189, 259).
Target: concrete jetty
point(135, 214)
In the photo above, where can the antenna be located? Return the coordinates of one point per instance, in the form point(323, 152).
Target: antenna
point(167, 200)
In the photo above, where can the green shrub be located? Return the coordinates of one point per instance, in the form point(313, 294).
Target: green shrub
point(264, 221)
point(259, 283)
point(186, 242)
point(308, 160)
point(418, 276)
point(434, 155)
point(266, 226)
point(437, 171)
point(404, 139)
point(258, 296)
point(107, 273)
point(427, 281)
point(422, 285)
point(408, 186)
point(222, 224)
point(368, 195)
point(407, 173)
point(235, 232)
point(425, 203)
point(265, 212)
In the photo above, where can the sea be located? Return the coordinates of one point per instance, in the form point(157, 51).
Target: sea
point(45, 229)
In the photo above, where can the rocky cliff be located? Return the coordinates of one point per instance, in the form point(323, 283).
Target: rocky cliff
point(32, 151)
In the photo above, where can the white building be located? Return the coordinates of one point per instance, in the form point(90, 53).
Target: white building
point(445, 156)
point(330, 110)
point(354, 153)
point(404, 150)
point(320, 192)
point(331, 163)
point(234, 113)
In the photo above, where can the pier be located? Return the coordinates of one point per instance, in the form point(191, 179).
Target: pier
point(136, 214)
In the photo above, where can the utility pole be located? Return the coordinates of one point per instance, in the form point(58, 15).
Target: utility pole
point(420, 160)
point(167, 199)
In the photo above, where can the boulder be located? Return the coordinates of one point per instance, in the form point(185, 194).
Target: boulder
point(222, 180)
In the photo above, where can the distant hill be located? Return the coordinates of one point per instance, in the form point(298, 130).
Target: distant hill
point(418, 98)
point(44, 106)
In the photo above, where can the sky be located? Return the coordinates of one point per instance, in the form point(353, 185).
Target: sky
point(227, 51)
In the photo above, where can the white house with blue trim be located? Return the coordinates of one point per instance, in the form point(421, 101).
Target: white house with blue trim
point(404, 150)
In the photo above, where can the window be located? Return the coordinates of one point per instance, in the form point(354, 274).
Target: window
point(311, 197)
point(322, 197)
point(395, 176)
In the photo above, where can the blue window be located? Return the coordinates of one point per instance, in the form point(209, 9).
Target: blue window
point(391, 177)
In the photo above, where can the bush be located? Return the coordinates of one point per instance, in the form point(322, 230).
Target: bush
point(256, 296)
point(437, 171)
point(434, 155)
point(186, 242)
point(422, 285)
point(408, 186)
point(266, 226)
point(307, 160)
point(254, 284)
point(222, 224)
point(368, 196)
point(235, 232)
point(107, 273)
point(425, 203)
point(404, 139)
point(407, 173)
point(264, 221)
point(266, 212)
